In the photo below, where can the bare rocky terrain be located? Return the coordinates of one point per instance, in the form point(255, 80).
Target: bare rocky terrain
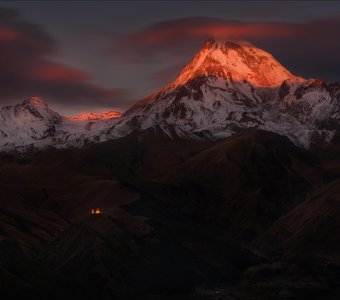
point(251, 216)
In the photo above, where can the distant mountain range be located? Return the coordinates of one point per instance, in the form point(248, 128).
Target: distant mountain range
point(226, 88)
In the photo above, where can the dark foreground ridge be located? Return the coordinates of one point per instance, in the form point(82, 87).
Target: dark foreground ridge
point(247, 217)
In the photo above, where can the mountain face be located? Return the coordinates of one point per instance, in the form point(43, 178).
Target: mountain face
point(227, 87)
point(223, 81)
point(32, 123)
point(27, 122)
point(235, 63)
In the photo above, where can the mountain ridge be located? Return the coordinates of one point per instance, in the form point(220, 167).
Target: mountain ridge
point(227, 87)
point(95, 116)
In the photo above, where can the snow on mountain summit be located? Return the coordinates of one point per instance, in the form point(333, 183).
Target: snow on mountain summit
point(225, 86)
point(237, 74)
point(235, 62)
point(231, 86)
point(95, 116)
point(28, 121)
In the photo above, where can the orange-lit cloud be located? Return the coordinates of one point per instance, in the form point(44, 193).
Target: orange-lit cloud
point(232, 31)
point(305, 48)
point(26, 68)
point(168, 34)
point(8, 34)
point(59, 72)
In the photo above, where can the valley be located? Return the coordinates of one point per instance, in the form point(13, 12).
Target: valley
point(241, 218)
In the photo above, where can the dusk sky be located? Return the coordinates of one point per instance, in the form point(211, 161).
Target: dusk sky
point(99, 56)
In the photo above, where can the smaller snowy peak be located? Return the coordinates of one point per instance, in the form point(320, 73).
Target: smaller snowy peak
point(235, 62)
point(30, 109)
point(27, 122)
point(90, 116)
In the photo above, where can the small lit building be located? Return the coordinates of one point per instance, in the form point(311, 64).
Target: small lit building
point(96, 211)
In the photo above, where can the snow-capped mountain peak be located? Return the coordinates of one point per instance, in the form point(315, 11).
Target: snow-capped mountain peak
point(35, 108)
point(235, 62)
point(31, 109)
point(26, 122)
point(231, 86)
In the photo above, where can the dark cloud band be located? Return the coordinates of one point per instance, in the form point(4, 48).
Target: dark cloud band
point(308, 49)
point(27, 69)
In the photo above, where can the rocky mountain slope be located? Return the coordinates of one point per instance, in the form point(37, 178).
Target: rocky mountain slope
point(248, 217)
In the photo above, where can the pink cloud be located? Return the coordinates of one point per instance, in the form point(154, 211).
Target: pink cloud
point(26, 69)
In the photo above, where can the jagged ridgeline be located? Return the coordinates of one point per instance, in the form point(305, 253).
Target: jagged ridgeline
point(227, 87)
